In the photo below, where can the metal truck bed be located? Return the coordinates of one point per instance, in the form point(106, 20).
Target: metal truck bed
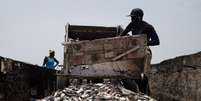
point(114, 57)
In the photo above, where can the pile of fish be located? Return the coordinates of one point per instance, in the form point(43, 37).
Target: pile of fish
point(97, 92)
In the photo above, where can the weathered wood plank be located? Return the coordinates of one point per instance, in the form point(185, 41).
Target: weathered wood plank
point(120, 69)
point(104, 50)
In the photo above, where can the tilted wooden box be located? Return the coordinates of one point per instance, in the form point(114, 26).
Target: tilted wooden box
point(105, 57)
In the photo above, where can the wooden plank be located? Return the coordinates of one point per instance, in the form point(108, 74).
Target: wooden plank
point(122, 69)
point(125, 42)
point(125, 53)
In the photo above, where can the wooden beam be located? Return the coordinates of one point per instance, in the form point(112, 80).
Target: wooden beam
point(126, 53)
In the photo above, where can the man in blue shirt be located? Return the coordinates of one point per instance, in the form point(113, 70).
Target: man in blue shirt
point(50, 61)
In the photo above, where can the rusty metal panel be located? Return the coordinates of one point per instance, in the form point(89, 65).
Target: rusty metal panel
point(82, 32)
point(88, 29)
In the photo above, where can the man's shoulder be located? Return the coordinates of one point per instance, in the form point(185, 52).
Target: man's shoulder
point(46, 58)
point(147, 24)
point(131, 24)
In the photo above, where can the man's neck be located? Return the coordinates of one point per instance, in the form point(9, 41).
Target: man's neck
point(137, 23)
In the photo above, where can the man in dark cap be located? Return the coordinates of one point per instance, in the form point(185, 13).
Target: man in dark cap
point(138, 26)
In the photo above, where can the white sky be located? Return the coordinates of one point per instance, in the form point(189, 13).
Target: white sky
point(28, 28)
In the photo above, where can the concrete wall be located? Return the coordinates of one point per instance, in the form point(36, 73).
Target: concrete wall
point(21, 81)
point(177, 79)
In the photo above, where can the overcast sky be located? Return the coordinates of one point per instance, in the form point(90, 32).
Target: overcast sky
point(28, 28)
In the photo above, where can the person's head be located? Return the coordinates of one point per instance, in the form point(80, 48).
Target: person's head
point(51, 53)
point(136, 15)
